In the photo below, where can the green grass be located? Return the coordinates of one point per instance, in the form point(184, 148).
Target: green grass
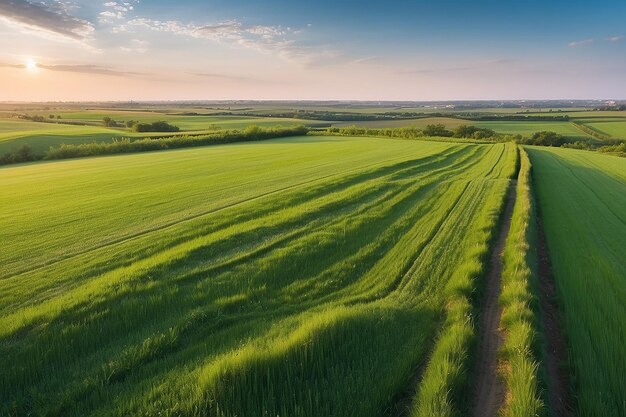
point(449, 122)
point(616, 128)
point(518, 361)
point(282, 277)
point(199, 122)
point(41, 136)
point(582, 197)
point(445, 387)
point(530, 127)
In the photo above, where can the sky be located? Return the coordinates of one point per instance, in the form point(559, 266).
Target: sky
point(91, 50)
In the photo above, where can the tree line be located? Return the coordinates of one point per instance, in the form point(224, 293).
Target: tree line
point(127, 145)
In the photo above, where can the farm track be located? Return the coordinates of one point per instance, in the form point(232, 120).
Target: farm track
point(489, 387)
point(556, 349)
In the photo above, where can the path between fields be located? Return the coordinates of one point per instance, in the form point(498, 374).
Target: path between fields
point(556, 349)
point(489, 388)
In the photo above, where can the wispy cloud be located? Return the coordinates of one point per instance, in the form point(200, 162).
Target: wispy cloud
point(115, 10)
point(615, 38)
point(5, 65)
point(277, 40)
point(43, 18)
point(583, 42)
point(221, 76)
point(89, 69)
point(135, 45)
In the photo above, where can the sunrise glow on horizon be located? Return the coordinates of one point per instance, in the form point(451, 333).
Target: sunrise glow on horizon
point(425, 50)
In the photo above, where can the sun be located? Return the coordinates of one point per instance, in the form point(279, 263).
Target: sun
point(31, 65)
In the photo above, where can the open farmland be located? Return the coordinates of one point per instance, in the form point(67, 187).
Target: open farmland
point(527, 128)
point(582, 198)
point(238, 279)
point(41, 136)
point(613, 127)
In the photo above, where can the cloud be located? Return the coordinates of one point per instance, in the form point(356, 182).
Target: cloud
point(277, 40)
point(50, 19)
point(577, 44)
point(221, 76)
point(5, 65)
point(115, 11)
point(615, 38)
point(89, 69)
point(136, 45)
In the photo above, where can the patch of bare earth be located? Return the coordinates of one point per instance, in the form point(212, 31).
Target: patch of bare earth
point(556, 348)
point(489, 394)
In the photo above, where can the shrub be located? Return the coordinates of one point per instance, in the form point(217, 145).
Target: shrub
point(159, 126)
point(545, 138)
point(126, 145)
point(437, 130)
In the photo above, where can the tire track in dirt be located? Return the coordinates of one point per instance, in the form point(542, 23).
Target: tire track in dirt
point(489, 387)
point(555, 347)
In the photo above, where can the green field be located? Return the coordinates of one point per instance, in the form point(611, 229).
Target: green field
point(530, 127)
point(41, 136)
point(448, 122)
point(582, 197)
point(306, 276)
point(233, 279)
point(613, 127)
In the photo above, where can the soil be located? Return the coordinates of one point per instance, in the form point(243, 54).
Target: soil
point(489, 394)
point(556, 347)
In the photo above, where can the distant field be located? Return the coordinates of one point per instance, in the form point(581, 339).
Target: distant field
point(582, 196)
point(231, 279)
point(616, 128)
point(40, 136)
point(530, 127)
point(450, 123)
point(184, 122)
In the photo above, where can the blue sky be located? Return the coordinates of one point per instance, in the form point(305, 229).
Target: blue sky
point(278, 49)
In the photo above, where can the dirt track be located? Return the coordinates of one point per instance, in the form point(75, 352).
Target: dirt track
point(556, 348)
point(489, 387)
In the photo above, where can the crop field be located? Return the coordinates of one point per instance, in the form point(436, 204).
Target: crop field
point(239, 279)
point(613, 127)
point(200, 121)
point(41, 136)
point(528, 128)
point(582, 198)
point(448, 122)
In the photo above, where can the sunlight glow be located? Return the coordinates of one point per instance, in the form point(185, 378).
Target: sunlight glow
point(31, 65)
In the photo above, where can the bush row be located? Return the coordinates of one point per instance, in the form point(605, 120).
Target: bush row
point(126, 145)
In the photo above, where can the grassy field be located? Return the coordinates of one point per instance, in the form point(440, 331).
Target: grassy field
point(241, 279)
point(582, 198)
point(41, 136)
point(196, 120)
point(518, 359)
point(613, 127)
point(448, 122)
point(530, 127)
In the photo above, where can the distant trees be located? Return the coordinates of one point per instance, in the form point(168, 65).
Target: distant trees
point(158, 126)
point(545, 138)
point(437, 130)
point(126, 145)
point(467, 131)
point(23, 154)
point(109, 122)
